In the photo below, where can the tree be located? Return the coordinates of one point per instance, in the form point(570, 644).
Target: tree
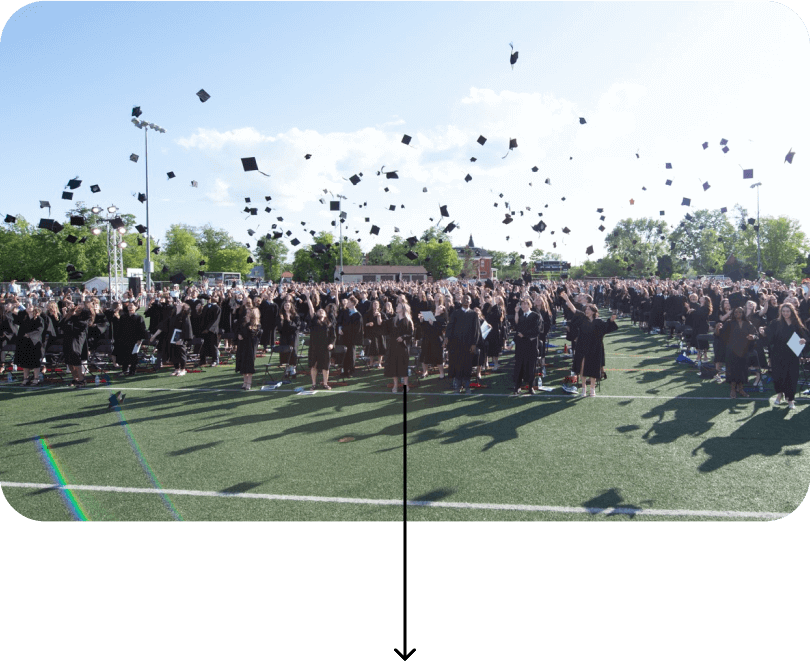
point(272, 256)
point(179, 240)
point(379, 255)
point(321, 266)
point(782, 243)
point(637, 243)
point(705, 241)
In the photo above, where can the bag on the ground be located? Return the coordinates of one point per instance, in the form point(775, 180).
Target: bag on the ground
point(707, 371)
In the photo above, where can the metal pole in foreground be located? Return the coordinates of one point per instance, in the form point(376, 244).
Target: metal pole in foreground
point(759, 252)
point(148, 242)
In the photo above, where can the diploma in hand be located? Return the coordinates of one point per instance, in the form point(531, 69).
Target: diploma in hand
point(428, 316)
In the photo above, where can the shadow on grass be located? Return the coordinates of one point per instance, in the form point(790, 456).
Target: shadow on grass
point(612, 499)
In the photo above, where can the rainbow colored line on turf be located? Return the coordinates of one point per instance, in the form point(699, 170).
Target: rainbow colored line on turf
point(145, 465)
point(72, 502)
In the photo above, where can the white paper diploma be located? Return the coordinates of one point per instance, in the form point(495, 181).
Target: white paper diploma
point(794, 344)
point(485, 328)
point(428, 316)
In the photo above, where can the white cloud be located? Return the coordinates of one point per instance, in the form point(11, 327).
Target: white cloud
point(213, 139)
point(219, 195)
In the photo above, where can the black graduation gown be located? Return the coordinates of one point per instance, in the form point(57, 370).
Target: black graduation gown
point(432, 352)
point(657, 311)
point(396, 362)
point(374, 333)
point(529, 326)
point(29, 349)
point(784, 363)
point(320, 337)
point(352, 326)
point(74, 343)
point(698, 319)
point(288, 333)
point(246, 348)
point(268, 316)
point(131, 329)
point(590, 347)
point(209, 328)
point(177, 353)
point(737, 347)
point(495, 338)
point(463, 331)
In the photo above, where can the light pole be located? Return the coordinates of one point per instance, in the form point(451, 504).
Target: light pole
point(759, 253)
point(115, 244)
point(143, 124)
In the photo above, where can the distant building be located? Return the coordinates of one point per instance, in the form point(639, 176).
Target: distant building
point(376, 273)
point(477, 262)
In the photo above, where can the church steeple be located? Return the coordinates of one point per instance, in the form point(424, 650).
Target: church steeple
point(471, 244)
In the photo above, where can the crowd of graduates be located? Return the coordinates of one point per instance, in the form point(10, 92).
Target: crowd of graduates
point(452, 329)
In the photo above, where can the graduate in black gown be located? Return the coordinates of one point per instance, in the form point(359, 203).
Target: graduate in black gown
point(373, 332)
point(784, 362)
point(268, 314)
point(589, 358)
point(131, 331)
point(461, 339)
point(248, 334)
point(75, 324)
point(28, 355)
point(400, 336)
point(350, 333)
point(528, 325)
point(289, 327)
point(209, 331)
point(321, 342)
point(495, 316)
point(739, 336)
point(432, 352)
point(177, 353)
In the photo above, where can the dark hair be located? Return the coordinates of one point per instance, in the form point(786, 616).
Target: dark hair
point(793, 314)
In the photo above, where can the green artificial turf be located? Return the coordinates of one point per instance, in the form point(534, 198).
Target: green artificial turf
point(656, 437)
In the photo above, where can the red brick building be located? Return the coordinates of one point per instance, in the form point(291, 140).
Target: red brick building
point(477, 262)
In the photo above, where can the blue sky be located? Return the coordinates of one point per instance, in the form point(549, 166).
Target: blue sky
point(345, 81)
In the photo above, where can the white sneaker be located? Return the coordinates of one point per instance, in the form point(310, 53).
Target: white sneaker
point(181, 373)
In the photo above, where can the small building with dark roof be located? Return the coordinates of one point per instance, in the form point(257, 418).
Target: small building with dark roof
point(477, 262)
point(400, 273)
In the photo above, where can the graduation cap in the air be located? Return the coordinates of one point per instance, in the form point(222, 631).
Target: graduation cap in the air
point(688, 216)
point(134, 158)
point(668, 166)
point(260, 244)
point(748, 174)
point(601, 228)
point(392, 175)
point(71, 239)
point(374, 230)
point(277, 235)
point(406, 139)
point(444, 212)
point(528, 244)
point(75, 275)
point(140, 241)
point(354, 179)
point(449, 228)
point(307, 156)
point(247, 199)
point(77, 221)
point(566, 230)
point(67, 195)
point(74, 183)
point(724, 141)
point(392, 207)
point(95, 188)
point(342, 215)
point(512, 145)
point(295, 241)
point(751, 221)
point(10, 219)
point(411, 255)
point(204, 96)
point(334, 205)
point(548, 181)
point(141, 198)
point(706, 185)
point(170, 175)
point(249, 164)
point(194, 184)
point(723, 209)
point(540, 227)
point(632, 201)
point(508, 219)
point(705, 145)
point(136, 111)
point(582, 120)
point(481, 140)
point(686, 202)
point(725, 150)
point(669, 182)
point(156, 250)
point(514, 56)
point(412, 241)
point(468, 178)
point(789, 157)
point(589, 250)
point(177, 278)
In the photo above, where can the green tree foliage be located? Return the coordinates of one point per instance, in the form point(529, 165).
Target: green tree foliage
point(440, 259)
point(320, 267)
point(782, 243)
point(637, 243)
point(507, 264)
point(273, 257)
point(702, 244)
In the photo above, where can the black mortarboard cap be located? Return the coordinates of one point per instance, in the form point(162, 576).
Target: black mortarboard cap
point(406, 139)
point(267, 198)
point(688, 216)
point(170, 175)
point(71, 239)
point(706, 185)
point(84, 240)
point(253, 211)
point(67, 195)
point(10, 219)
point(247, 199)
point(392, 175)
point(669, 182)
point(705, 145)
point(141, 198)
point(204, 96)
point(540, 227)
point(386, 189)
point(513, 143)
point(342, 215)
point(723, 209)
point(95, 188)
point(334, 205)
point(748, 174)
point(392, 207)
point(134, 158)
point(156, 250)
point(601, 228)
point(724, 141)
point(200, 273)
point(548, 181)
point(249, 164)
point(450, 228)
point(140, 241)
point(295, 242)
point(250, 260)
point(277, 235)
point(136, 111)
point(374, 230)
point(601, 217)
point(354, 179)
point(508, 219)
point(669, 166)
point(566, 230)
point(141, 228)
point(686, 202)
point(307, 156)
point(177, 278)
point(468, 178)
point(751, 221)
point(77, 221)
point(251, 232)
point(411, 255)
point(412, 241)
point(260, 244)
point(76, 275)
point(74, 183)
point(56, 227)
point(528, 244)
point(513, 58)
point(589, 250)
point(481, 139)
point(582, 120)
point(725, 150)
point(535, 169)
point(444, 212)
point(789, 157)
point(661, 213)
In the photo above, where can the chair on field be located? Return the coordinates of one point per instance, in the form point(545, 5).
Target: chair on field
point(194, 362)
